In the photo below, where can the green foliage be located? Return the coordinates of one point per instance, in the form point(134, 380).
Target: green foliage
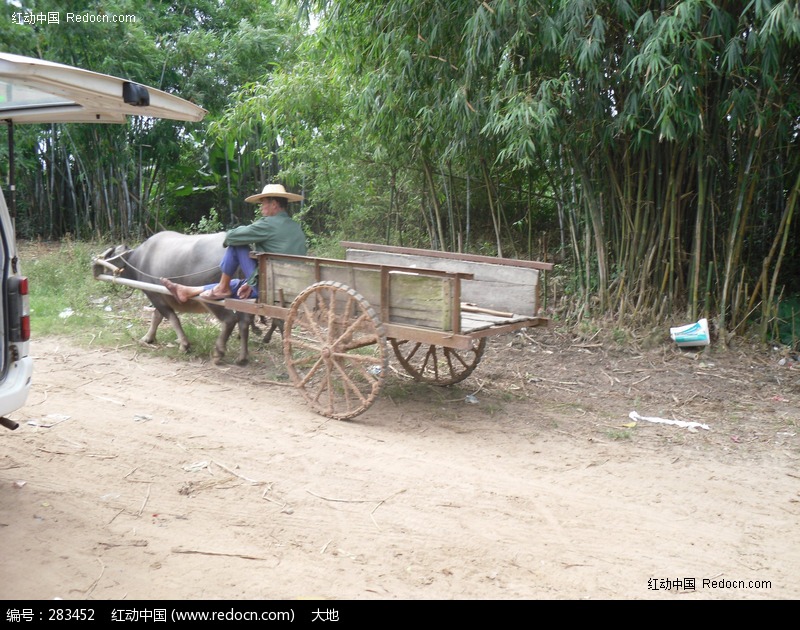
point(788, 323)
point(208, 224)
point(64, 296)
point(650, 146)
point(91, 180)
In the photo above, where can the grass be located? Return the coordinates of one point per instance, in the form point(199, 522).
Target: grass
point(400, 389)
point(65, 299)
point(618, 434)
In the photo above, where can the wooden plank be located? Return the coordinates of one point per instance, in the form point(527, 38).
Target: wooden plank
point(461, 341)
point(457, 256)
point(492, 319)
point(255, 308)
point(287, 279)
point(338, 262)
point(471, 308)
point(498, 287)
point(470, 322)
point(469, 325)
point(413, 299)
point(429, 336)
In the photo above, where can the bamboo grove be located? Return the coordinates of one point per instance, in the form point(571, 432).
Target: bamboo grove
point(664, 133)
point(650, 147)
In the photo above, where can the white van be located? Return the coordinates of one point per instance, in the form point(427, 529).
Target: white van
point(38, 91)
point(16, 366)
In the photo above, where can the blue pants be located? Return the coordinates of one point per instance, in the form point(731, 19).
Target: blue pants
point(237, 257)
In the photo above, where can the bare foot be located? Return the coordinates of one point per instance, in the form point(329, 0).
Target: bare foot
point(178, 290)
point(215, 294)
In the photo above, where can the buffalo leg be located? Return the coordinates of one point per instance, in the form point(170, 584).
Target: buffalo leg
point(228, 324)
point(222, 340)
point(245, 320)
point(175, 322)
point(155, 321)
point(164, 311)
point(274, 323)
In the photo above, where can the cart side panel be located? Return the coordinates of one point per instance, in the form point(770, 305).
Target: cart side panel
point(286, 280)
point(500, 287)
point(407, 298)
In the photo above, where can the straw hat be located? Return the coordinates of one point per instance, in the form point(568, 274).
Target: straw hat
point(273, 190)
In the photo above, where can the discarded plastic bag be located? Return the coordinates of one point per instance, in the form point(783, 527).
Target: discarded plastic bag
point(691, 334)
point(692, 426)
point(49, 421)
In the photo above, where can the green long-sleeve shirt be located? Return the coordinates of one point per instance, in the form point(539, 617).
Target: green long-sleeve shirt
point(278, 234)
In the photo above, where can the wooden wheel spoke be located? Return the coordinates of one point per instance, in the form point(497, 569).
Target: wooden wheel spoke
point(329, 389)
point(320, 388)
point(450, 355)
point(333, 341)
point(308, 318)
point(316, 386)
point(348, 307)
point(357, 358)
point(350, 329)
point(362, 342)
point(349, 382)
point(331, 306)
point(430, 358)
point(312, 370)
point(306, 345)
point(447, 367)
point(411, 354)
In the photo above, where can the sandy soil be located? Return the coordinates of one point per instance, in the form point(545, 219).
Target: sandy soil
point(139, 476)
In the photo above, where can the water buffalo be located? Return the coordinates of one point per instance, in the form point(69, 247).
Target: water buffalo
point(185, 258)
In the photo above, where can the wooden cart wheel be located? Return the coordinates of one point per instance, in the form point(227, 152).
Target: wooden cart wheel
point(334, 346)
point(436, 364)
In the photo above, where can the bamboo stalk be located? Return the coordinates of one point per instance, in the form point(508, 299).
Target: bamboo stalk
point(790, 206)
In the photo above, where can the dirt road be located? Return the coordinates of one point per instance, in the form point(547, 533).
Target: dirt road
point(138, 477)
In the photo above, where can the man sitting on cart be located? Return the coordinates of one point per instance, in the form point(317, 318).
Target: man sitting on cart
point(275, 232)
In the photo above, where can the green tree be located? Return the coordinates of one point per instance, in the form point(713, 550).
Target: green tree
point(127, 180)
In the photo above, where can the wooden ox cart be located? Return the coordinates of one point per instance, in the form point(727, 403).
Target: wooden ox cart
point(435, 311)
